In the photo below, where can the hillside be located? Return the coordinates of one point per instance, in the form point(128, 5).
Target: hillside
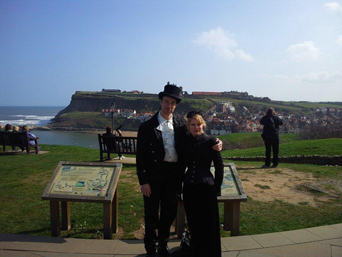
point(84, 110)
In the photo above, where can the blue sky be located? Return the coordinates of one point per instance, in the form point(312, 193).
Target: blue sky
point(287, 50)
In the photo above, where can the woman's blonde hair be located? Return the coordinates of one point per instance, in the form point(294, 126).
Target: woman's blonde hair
point(16, 128)
point(197, 116)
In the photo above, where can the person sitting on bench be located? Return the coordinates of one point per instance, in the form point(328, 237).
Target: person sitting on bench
point(31, 137)
point(110, 132)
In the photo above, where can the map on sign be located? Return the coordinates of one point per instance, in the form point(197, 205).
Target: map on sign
point(82, 180)
point(229, 186)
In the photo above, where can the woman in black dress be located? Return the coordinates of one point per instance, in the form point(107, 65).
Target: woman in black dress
point(201, 189)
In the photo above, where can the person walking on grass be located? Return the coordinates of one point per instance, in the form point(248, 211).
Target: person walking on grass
point(271, 137)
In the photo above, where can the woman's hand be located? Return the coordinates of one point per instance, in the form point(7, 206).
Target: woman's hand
point(218, 146)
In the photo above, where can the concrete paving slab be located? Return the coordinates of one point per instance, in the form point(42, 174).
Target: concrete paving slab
point(23, 242)
point(315, 249)
point(230, 254)
point(335, 242)
point(336, 251)
point(49, 254)
point(254, 254)
point(16, 237)
point(98, 246)
point(300, 236)
point(63, 245)
point(17, 254)
point(326, 232)
point(223, 248)
point(129, 247)
point(272, 239)
point(337, 226)
point(129, 255)
point(240, 243)
point(7, 239)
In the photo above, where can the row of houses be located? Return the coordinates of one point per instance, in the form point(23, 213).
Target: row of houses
point(222, 121)
point(233, 94)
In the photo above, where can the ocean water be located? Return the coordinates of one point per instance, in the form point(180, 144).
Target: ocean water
point(40, 116)
point(28, 115)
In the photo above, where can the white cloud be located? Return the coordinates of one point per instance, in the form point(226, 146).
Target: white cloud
point(322, 77)
point(339, 40)
point(304, 51)
point(333, 77)
point(242, 55)
point(333, 6)
point(223, 44)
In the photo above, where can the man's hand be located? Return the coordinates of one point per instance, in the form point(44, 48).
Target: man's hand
point(218, 146)
point(146, 189)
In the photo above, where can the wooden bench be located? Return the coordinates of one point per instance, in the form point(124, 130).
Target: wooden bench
point(19, 139)
point(118, 145)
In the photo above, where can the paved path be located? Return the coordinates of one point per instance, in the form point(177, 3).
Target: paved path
point(325, 241)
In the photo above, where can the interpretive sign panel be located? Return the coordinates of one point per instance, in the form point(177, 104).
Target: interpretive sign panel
point(83, 182)
point(231, 187)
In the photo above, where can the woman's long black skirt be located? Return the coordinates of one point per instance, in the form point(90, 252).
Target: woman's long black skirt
point(201, 207)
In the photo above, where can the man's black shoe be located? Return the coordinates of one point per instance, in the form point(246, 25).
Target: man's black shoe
point(151, 255)
point(163, 251)
point(274, 166)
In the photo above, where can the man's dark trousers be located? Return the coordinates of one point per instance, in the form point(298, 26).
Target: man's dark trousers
point(274, 144)
point(164, 195)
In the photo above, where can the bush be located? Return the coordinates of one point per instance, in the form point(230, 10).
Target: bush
point(321, 131)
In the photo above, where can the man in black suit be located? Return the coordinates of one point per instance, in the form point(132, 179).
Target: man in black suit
point(159, 171)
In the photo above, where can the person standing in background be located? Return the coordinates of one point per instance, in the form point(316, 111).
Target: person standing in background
point(271, 137)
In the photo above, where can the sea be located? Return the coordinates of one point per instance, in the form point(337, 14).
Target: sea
point(34, 116)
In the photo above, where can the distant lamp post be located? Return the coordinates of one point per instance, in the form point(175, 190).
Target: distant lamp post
point(112, 111)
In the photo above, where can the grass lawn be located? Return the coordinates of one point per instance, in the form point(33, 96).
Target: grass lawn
point(329, 147)
point(24, 178)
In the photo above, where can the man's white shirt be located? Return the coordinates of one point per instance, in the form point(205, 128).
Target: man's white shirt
point(166, 127)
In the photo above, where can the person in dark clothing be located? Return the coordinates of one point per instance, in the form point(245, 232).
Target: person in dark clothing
point(201, 188)
point(159, 171)
point(109, 132)
point(271, 137)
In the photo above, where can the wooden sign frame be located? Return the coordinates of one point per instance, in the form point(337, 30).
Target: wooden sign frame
point(100, 186)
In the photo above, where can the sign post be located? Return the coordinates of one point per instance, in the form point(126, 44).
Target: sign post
point(83, 182)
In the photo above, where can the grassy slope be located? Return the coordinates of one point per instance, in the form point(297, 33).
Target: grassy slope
point(330, 147)
point(24, 178)
point(251, 140)
point(23, 181)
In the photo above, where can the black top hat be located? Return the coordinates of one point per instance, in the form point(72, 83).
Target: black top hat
point(173, 91)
